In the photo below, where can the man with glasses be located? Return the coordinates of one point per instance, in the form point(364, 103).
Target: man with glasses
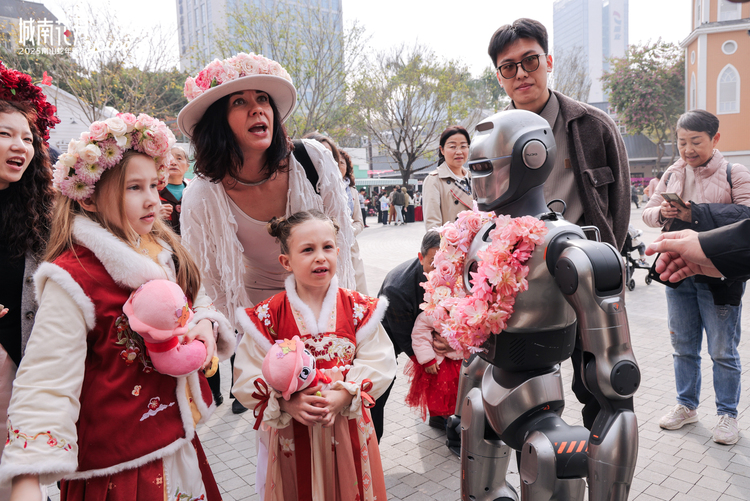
point(591, 173)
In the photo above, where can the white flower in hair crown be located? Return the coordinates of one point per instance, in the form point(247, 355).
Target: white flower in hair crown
point(238, 66)
point(102, 147)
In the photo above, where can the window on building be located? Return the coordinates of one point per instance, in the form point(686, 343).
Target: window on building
point(698, 16)
point(729, 47)
point(728, 90)
point(729, 10)
point(693, 92)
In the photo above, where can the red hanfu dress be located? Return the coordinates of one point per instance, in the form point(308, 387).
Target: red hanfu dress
point(341, 462)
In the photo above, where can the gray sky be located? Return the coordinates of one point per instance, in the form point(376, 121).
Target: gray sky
point(454, 30)
point(462, 30)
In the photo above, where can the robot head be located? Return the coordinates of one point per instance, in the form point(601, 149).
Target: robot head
point(512, 152)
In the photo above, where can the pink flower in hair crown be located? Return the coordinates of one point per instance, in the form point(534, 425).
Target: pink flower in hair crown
point(241, 65)
point(102, 147)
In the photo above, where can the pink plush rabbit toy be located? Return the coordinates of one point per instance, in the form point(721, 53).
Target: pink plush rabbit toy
point(158, 310)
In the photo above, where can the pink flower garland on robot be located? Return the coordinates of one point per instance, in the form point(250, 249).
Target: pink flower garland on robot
point(241, 65)
point(102, 147)
point(466, 321)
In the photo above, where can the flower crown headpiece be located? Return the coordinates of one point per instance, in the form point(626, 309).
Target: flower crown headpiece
point(102, 147)
point(16, 86)
point(238, 66)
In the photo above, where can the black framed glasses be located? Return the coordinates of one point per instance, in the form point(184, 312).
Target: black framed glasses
point(528, 63)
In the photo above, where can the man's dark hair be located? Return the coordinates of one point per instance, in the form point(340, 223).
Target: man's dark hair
point(430, 240)
point(699, 121)
point(509, 33)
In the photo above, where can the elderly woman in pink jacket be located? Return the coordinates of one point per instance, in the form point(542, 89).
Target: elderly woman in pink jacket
point(701, 175)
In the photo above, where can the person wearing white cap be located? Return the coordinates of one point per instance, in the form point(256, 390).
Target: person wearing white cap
point(246, 174)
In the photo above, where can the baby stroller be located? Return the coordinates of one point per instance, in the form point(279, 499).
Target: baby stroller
point(633, 264)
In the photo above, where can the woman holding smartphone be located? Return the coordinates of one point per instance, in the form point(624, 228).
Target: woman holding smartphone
point(701, 175)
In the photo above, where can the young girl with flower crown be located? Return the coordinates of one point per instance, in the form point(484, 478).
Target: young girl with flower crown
point(88, 407)
point(320, 444)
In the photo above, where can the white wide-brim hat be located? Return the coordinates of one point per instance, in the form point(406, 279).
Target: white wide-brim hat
point(279, 86)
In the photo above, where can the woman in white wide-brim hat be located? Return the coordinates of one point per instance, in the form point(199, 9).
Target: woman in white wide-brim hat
point(246, 175)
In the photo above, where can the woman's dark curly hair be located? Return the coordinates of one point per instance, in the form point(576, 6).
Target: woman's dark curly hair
point(25, 217)
point(217, 152)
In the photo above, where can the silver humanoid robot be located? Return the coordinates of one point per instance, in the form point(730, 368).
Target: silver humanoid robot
point(511, 395)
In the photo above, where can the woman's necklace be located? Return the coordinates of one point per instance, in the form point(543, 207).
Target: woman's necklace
point(244, 183)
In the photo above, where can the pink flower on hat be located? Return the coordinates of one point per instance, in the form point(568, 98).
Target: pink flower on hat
point(240, 65)
point(191, 90)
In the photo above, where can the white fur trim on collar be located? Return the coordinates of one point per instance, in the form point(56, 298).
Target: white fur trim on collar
point(50, 271)
point(249, 328)
point(329, 302)
point(372, 324)
point(126, 266)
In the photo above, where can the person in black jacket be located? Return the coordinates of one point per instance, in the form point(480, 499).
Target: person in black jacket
point(404, 292)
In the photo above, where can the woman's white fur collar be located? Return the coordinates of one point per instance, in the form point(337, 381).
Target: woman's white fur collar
point(313, 325)
point(124, 264)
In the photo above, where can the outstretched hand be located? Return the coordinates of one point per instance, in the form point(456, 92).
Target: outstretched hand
point(305, 406)
point(681, 256)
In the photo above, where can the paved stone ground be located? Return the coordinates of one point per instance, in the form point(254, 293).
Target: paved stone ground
point(672, 465)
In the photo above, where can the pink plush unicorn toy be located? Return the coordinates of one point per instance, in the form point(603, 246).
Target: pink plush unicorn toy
point(290, 367)
point(158, 310)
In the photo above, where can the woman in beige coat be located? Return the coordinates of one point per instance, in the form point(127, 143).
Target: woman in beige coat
point(447, 190)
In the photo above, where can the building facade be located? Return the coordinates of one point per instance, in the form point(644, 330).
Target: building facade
point(22, 22)
point(717, 71)
point(596, 28)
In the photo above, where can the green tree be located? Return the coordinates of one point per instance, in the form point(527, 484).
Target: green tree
point(313, 46)
point(647, 90)
point(488, 92)
point(405, 97)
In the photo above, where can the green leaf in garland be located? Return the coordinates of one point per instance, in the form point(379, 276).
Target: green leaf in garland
point(13, 91)
point(214, 83)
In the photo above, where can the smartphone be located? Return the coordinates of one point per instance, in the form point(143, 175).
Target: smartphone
point(674, 198)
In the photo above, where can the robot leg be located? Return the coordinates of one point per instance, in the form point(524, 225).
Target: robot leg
point(472, 370)
point(484, 457)
point(612, 461)
point(540, 470)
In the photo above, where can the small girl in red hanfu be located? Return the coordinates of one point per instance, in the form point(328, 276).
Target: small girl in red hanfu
point(433, 377)
point(88, 406)
point(319, 444)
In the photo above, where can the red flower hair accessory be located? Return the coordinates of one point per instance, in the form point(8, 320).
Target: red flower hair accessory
point(16, 86)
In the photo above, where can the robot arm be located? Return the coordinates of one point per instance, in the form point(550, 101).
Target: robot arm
point(590, 276)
